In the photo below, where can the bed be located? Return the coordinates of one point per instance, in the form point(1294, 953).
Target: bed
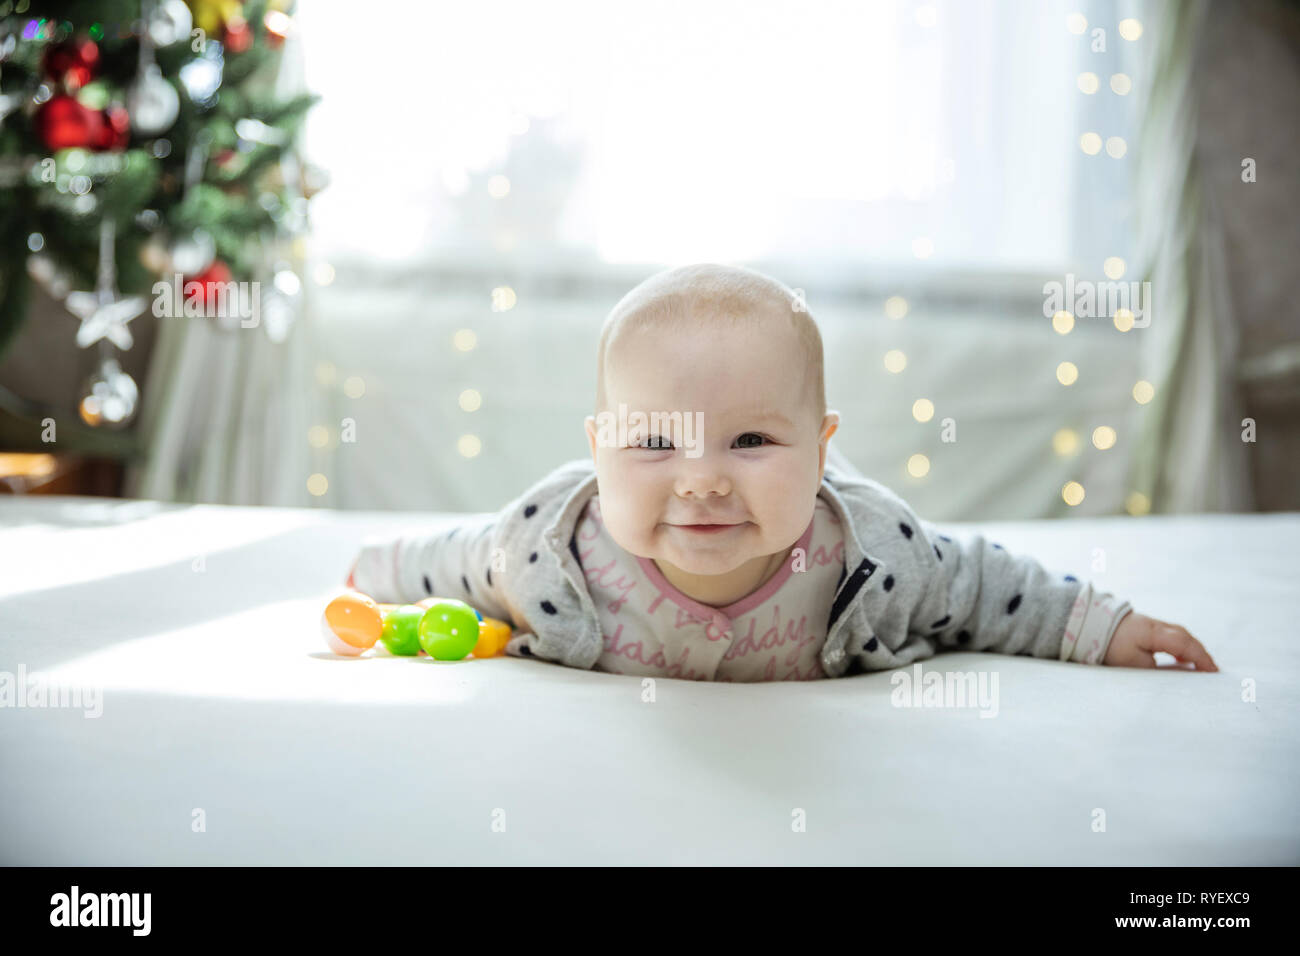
point(227, 734)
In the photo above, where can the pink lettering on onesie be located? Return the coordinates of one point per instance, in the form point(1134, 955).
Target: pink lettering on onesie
point(649, 628)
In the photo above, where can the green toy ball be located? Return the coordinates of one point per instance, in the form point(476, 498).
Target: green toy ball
point(448, 630)
point(401, 633)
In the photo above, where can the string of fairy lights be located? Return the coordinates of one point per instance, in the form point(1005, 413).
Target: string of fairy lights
point(502, 298)
point(1066, 442)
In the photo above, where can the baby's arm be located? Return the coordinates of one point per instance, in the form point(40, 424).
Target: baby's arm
point(453, 562)
point(981, 597)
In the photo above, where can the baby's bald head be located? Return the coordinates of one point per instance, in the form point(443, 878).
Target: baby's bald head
point(691, 297)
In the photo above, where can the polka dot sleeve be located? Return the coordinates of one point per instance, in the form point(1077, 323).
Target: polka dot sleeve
point(451, 562)
point(981, 597)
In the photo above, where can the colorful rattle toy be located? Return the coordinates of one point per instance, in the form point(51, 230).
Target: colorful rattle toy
point(400, 634)
point(449, 630)
point(352, 623)
point(444, 628)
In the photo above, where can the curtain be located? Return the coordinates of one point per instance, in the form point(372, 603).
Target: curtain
point(225, 417)
point(1189, 456)
point(928, 152)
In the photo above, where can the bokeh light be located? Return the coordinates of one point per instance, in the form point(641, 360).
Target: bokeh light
point(503, 298)
point(895, 307)
point(1137, 503)
point(1065, 442)
point(1072, 493)
point(1130, 29)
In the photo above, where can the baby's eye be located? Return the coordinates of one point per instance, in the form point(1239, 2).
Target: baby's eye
point(660, 443)
point(654, 443)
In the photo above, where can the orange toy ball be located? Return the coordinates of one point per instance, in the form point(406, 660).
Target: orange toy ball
point(351, 623)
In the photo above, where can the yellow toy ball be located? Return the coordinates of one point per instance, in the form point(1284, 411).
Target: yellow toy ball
point(492, 637)
point(351, 624)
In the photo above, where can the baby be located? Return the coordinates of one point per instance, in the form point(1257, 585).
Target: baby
point(709, 538)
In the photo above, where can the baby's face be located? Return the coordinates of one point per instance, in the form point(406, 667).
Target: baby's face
point(755, 464)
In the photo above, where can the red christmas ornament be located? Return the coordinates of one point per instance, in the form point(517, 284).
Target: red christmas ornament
point(63, 123)
point(201, 286)
point(72, 62)
point(237, 36)
point(116, 131)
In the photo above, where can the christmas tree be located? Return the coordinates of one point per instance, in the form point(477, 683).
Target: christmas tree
point(141, 140)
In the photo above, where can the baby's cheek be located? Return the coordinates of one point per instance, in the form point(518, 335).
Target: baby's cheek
point(632, 532)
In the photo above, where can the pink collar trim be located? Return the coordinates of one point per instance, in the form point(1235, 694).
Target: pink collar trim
point(747, 603)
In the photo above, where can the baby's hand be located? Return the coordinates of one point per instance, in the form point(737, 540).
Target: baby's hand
point(1138, 637)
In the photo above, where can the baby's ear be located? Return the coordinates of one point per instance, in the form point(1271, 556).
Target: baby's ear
point(831, 423)
point(589, 424)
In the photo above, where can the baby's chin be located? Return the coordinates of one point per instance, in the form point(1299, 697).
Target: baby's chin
point(719, 553)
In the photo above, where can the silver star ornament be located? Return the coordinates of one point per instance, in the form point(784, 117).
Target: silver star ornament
point(104, 316)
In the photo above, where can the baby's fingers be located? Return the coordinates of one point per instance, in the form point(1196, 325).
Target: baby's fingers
point(1175, 640)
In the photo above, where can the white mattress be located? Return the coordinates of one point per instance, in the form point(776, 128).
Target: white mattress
point(218, 695)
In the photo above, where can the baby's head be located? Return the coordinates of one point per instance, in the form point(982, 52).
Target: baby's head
point(717, 373)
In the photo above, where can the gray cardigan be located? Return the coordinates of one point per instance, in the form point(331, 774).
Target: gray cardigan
point(907, 591)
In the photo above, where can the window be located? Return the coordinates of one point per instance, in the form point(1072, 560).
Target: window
point(835, 138)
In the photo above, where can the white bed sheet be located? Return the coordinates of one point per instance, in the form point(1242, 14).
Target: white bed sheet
point(219, 696)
